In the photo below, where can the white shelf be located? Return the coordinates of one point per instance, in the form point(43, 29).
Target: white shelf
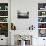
point(3, 16)
point(3, 22)
point(41, 28)
point(3, 10)
point(41, 22)
point(42, 10)
point(42, 16)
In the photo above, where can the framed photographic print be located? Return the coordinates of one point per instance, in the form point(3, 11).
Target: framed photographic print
point(22, 15)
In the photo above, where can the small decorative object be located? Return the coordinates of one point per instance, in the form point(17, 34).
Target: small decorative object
point(13, 27)
point(42, 19)
point(41, 25)
point(3, 19)
point(3, 13)
point(0, 7)
point(4, 29)
point(39, 19)
point(42, 32)
point(6, 7)
point(31, 27)
point(45, 7)
point(23, 14)
point(3, 6)
point(43, 13)
point(41, 8)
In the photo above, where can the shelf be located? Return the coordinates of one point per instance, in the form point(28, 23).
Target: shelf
point(4, 19)
point(42, 16)
point(41, 28)
point(41, 10)
point(42, 19)
point(3, 10)
point(3, 22)
point(3, 16)
point(41, 22)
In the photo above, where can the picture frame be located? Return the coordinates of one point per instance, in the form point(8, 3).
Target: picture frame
point(22, 15)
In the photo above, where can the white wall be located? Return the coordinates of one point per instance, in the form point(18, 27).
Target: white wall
point(23, 24)
point(24, 5)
